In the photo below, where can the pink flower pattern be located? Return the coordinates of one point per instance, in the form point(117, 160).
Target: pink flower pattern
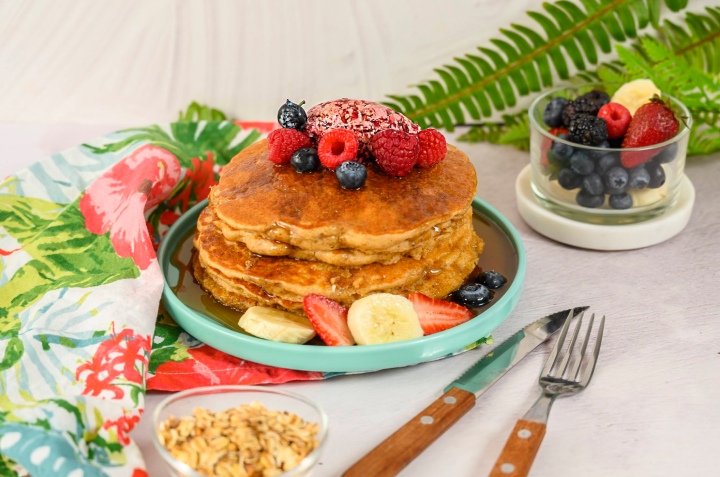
point(117, 200)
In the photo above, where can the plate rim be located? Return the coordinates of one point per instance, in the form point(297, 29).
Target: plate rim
point(343, 359)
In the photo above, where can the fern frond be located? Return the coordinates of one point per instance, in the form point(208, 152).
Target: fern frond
point(699, 44)
point(484, 132)
point(522, 60)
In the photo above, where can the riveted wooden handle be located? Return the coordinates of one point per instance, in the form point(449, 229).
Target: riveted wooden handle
point(397, 451)
point(520, 450)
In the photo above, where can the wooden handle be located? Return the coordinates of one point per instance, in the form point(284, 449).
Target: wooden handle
point(520, 450)
point(397, 451)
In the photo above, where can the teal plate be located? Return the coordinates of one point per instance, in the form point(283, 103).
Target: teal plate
point(198, 314)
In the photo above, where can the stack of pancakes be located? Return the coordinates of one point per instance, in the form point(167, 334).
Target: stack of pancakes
point(270, 235)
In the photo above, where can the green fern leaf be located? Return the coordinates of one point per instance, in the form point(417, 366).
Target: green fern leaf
point(521, 60)
point(700, 43)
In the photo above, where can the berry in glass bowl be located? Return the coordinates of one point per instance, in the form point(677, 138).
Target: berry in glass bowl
point(608, 157)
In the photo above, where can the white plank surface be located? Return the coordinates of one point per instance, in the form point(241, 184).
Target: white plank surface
point(653, 407)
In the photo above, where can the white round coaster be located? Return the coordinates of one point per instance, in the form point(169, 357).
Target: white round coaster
point(604, 237)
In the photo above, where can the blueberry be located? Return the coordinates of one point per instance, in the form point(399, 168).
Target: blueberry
point(569, 179)
point(553, 112)
point(616, 180)
point(562, 151)
point(472, 294)
point(621, 201)
point(604, 163)
point(492, 279)
point(581, 163)
point(593, 184)
point(657, 175)
point(351, 174)
point(595, 154)
point(590, 201)
point(292, 116)
point(305, 159)
point(667, 154)
point(639, 177)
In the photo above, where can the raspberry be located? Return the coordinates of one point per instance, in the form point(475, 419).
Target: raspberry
point(283, 142)
point(617, 118)
point(337, 146)
point(432, 147)
point(396, 152)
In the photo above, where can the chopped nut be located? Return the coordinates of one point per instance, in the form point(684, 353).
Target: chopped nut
point(246, 441)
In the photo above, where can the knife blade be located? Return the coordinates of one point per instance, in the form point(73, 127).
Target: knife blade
point(397, 451)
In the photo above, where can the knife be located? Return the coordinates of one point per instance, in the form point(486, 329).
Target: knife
point(397, 451)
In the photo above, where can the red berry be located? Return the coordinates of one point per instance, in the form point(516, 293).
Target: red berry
point(337, 146)
point(329, 319)
point(432, 147)
point(617, 117)
point(283, 142)
point(438, 315)
point(653, 123)
point(396, 152)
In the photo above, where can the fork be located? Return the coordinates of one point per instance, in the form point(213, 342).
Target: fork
point(557, 378)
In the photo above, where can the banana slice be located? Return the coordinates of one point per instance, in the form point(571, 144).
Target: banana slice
point(383, 318)
point(277, 325)
point(634, 94)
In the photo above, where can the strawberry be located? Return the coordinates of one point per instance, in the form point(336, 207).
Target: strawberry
point(653, 123)
point(617, 117)
point(337, 146)
point(329, 319)
point(283, 142)
point(438, 315)
point(396, 152)
point(432, 147)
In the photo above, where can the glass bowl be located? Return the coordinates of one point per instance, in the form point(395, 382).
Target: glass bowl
point(550, 155)
point(222, 398)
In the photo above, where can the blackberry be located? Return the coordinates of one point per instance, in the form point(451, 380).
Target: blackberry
point(292, 116)
point(305, 159)
point(351, 174)
point(575, 109)
point(588, 130)
point(553, 112)
point(596, 97)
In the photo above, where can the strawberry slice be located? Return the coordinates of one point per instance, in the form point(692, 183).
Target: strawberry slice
point(329, 319)
point(438, 315)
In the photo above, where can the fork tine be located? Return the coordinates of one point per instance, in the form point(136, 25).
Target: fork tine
point(576, 367)
point(558, 344)
point(590, 367)
point(566, 357)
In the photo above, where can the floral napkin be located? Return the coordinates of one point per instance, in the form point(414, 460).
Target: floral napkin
point(81, 335)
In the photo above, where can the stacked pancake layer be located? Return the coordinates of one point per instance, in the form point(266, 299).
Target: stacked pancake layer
point(270, 236)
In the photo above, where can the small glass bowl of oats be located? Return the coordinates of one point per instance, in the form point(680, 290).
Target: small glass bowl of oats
point(239, 431)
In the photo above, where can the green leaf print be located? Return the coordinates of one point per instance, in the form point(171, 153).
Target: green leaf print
point(64, 254)
point(187, 140)
point(166, 347)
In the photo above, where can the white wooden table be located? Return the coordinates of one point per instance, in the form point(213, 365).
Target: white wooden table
point(653, 408)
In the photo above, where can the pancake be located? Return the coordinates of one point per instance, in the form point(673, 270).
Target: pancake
point(313, 212)
point(440, 272)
